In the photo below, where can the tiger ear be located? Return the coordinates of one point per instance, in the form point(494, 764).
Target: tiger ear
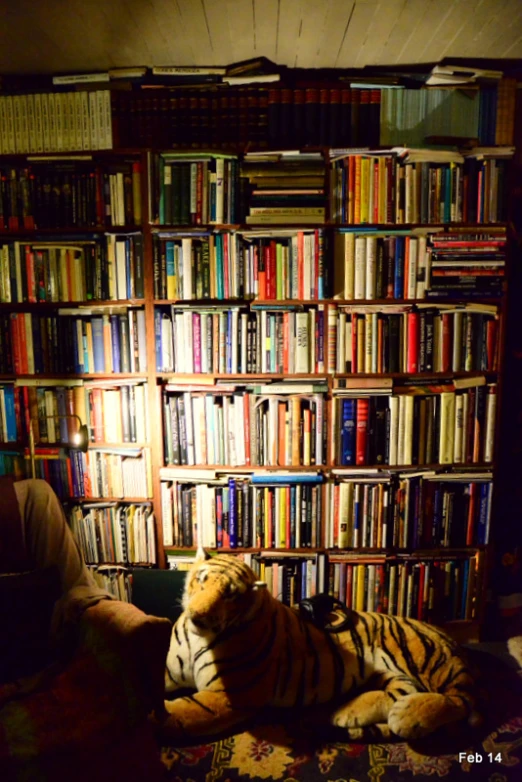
point(201, 555)
point(259, 585)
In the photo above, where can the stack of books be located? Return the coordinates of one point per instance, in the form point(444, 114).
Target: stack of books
point(284, 187)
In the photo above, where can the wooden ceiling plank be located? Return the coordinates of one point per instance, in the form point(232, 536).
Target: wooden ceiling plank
point(265, 27)
point(241, 26)
point(217, 16)
point(329, 42)
point(425, 30)
point(288, 29)
point(378, 32)
point(406, 20)
point(179, 42)
point(493, 31)
point(356, 32)
point(313, 17)
point(448, 26)
point(472, 31)
point(508, 32)
point(194, 24)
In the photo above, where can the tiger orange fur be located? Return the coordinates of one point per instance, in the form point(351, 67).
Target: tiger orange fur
point(242, 650)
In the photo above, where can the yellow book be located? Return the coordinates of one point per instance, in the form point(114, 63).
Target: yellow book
point(382, 190)
point(360, 596)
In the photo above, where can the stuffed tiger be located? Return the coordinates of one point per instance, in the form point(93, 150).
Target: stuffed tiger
point(243, 650)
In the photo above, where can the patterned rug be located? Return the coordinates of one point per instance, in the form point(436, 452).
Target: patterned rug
point(289, 753)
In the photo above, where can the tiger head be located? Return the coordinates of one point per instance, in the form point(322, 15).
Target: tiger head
point(220, 591)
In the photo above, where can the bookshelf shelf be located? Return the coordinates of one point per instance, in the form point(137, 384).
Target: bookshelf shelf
point(60, 232)
point(87, 304)
point(250, 377)
point(101, 500)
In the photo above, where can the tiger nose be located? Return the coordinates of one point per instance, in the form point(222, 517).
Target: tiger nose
point(198, 620)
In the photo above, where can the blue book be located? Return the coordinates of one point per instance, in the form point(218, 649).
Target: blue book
point(128, 267)
point(10, 416)
point(115, 340)
point(348, 432)
point(398, 282)
point(169, 253)
point(61, 407)
point(484, 513)
point(97, 345)
point(220, 289)
point(232, 513)
point(274, 479)
point(86, 365)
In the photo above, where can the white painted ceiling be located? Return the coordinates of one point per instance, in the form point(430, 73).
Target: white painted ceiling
point(69, 36)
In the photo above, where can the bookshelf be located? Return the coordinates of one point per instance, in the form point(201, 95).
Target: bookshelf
point(360, 345)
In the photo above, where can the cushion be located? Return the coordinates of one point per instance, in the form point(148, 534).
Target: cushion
point(26, 606)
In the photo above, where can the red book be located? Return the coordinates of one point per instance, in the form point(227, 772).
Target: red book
point(272, 292)
point(413, 342)
point(491, 345)
point(376, 197)
point(270, 537)
point(349, 585)
point(226, 259)
point(31, 281)
point(268, 271)
point(22, 335)
point(470, 528)
point(15, 342)
point(336, 492)
point(361, 437)
point(285, 343)
point(420, 603)
point(447, 346)
point(199, 194)
point(260, 263)
point(101, 207)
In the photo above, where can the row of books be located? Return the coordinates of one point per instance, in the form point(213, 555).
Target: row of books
point(12, 464)
point(114, 579)
point(242, 511)
point(233, 340)
point(34, 344)
point(233, 426)
point(380, 265)
point(413, 339)
point(434, 590)
point(100, 473)
point(422, 425)
point(194, 189)
point(410, 116)
point(55, 122)
point(314, 115)
point(113, 413)
point(374, 188)
point(114, 533)
point(286, 264)
point(66, 193)
point(72, 269)
point(408, 510)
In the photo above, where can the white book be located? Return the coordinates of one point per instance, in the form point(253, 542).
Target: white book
point(311, 331)
point(360, 268)
point(459, 427)
point(75, 108)
point(491, 409)
point(188, 341)
point(394, 430)
point(457, 342)
point(166, 345)
point(108, 119)
point(94, 125)
point(244, 341)
point(46, 126)
point(349, 265)
point(10, 124)
point(120, 199)
point(121, 270)
point(81, 78)
point(220, 190)
point(4, 141)
point(235, 339)
point(302, 355)
point(100, 122)
point(447, 427)
point(422, 268)
point(408, 429)
point(86, 142)
point(39, 122)
point(411, 282)
point(371, 267)
point(53, 143)
point(58, 120)
point(186, 251)
point(341, 346)
point(189, 427)
point(141, 404)
point(200, 448)
point(132, 355)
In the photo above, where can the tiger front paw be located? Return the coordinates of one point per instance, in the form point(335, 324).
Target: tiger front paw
point(416, 715)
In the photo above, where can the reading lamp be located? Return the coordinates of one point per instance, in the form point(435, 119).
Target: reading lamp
point(80, 439)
